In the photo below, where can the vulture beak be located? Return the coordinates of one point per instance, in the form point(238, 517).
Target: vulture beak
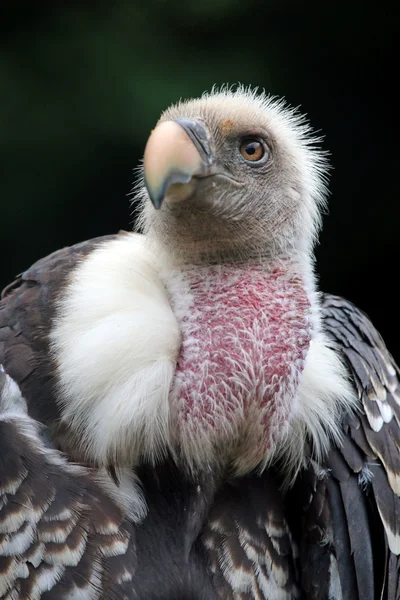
point(176, 152)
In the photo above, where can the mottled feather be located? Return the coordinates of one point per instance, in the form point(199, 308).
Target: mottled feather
point(63, 533)
point(371, 442)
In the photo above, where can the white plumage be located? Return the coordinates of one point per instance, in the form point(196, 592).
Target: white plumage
point(116, 342)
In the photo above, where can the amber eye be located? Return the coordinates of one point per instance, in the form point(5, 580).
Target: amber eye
point(252, 150)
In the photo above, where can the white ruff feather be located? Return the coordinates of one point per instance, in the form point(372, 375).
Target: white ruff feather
point(116, 341)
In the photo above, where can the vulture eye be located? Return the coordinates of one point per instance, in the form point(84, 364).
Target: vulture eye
point(252, 149)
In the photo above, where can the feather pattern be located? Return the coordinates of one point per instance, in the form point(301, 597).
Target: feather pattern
point(369, 453)
point(252, 553)
point(64, 531)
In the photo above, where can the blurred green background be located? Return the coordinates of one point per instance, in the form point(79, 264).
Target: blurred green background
point(82, 84)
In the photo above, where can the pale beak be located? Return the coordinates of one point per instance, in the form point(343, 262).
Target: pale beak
point(176, 152)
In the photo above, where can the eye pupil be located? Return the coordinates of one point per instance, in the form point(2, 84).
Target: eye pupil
point(252, 150)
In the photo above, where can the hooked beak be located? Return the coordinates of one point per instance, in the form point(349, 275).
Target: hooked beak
point(176, 152)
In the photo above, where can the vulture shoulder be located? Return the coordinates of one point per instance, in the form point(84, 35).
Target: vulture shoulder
point(27, 311)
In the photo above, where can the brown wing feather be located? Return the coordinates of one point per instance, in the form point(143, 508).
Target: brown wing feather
point(248, 541)
point(370, 450)
point(62, 532)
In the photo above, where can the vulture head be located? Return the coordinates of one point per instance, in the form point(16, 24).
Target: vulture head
point(233, 175)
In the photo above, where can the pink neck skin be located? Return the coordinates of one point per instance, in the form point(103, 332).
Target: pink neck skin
point(245, 335)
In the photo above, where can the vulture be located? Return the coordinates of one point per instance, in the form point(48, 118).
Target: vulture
point(183, 414)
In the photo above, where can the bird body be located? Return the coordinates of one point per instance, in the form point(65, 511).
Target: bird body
point(182, 412)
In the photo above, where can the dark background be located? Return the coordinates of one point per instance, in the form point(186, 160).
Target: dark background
point(82, 84)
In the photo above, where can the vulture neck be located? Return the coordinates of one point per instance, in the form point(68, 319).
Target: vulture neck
point(246, 330)
point(203, 242)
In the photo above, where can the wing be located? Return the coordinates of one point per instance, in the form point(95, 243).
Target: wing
point(63, 528)
point(248, 542)
point(351, 508)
